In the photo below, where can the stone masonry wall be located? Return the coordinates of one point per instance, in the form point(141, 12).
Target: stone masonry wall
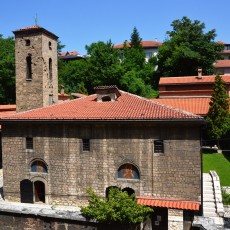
point(34, 93)
point(15, 221)
point(176, 173)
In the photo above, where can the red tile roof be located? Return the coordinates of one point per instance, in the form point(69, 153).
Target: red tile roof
point(169, 203)
point(222, 63)
point(126, 107)
point(198, 106)
point(191, 80)
point(30, 28)
point(145, 44)
point(68, 53)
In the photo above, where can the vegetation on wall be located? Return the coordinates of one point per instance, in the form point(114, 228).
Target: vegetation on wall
point(119, 208)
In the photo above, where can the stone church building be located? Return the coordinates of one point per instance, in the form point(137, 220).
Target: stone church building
point(53, 152)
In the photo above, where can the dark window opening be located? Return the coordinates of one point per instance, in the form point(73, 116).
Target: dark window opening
point(85, 144)
point(128, 171)
point(106, 98)
point(39, 191)
point(50, 69)
point(39, 167)
point(159, 146)
point(108, 190)
point(27, 42)
point(50, 47)
point(29, 143)
point(28, 68)
point(130, 191)
point(26, 191)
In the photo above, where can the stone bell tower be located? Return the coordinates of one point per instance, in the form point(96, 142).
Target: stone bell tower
point(36, 68)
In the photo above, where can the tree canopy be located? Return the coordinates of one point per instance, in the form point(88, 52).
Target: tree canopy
point(105, 65)
point(218, 117)
point(119, 208)
point(7, 70)
point(188, 48)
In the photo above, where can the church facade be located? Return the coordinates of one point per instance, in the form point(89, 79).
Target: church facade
point(53, 152)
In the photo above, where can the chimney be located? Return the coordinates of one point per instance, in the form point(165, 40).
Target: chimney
point(62, 90)
point(199, 74)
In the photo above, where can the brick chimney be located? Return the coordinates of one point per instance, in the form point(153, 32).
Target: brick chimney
point(199, 74)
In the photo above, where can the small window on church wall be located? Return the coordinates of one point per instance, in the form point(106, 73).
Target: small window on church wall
point(29, 143)
point(28, 68)
point(50, 69)
point(27, 42)
point(128, 171)
point(38, 166)
point(158, 146)
point(85, 144)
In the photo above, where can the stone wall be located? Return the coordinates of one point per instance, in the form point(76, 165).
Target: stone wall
point(35, 92)
point(174, 174)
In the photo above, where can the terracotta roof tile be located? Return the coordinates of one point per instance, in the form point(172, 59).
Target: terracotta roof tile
point(222, 63)
point(169, 203)
point(145, 44)
point(126, 107)
point(194, 105)
point(191, 80)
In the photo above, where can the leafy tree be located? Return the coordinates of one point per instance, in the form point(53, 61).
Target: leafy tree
point(119, 208)
point(218, 115)
point(187, 49)
point(59, 46)
point(7, 70)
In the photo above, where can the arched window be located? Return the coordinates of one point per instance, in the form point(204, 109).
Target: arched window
point(130, 191)
point(38, 166)
point(128, 171)
point(28, 68)
point(108, 190)
point(50, 69)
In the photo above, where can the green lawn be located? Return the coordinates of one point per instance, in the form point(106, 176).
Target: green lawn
point(220, 163)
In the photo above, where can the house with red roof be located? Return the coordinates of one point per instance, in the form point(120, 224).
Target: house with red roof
point(111, 138)
point(53, 152)
point(150, 47)
point(189, 93)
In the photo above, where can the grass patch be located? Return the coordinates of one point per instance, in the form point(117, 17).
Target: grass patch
point(219, 163)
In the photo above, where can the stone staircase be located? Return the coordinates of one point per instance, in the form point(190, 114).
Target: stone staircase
point(213, 209)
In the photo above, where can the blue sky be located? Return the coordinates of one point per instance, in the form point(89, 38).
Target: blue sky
point(81, 22)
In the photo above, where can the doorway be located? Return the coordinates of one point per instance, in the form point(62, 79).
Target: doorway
point(160, 219)
point(39, 191)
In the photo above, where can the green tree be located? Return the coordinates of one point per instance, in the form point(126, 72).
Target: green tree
point(7, 70)
point(119, 208)
point(218, 115)
point(135, 39)
point(188, 48)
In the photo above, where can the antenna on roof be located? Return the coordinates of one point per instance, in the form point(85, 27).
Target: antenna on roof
point(36, 19)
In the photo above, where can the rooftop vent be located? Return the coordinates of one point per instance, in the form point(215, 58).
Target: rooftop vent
point(107, 93)
point(199, 74)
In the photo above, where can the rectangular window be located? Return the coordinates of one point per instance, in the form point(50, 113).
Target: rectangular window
point(85, 144)
point(158, 146)
point(29, 142)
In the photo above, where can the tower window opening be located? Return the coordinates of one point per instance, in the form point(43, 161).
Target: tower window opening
point(27, 42)
point(50, 69)
point(50, 45)
point(28, 68)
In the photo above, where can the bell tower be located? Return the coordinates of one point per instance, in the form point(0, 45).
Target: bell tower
point(36, 68)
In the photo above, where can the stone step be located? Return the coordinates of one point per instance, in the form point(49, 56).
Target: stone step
point(209, 205)
point(207, 192)
point(209, 199)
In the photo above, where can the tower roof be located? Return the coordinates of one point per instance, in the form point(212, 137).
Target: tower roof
point(33, 30)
